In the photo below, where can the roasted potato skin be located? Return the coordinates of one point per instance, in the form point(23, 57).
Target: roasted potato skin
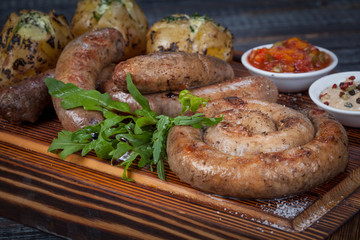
point(126, 16)
point(190, 34)
point(27, 50)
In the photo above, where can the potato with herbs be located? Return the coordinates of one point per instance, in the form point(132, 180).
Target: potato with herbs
point(31, 44)
point(124, 15)
point(190, 34)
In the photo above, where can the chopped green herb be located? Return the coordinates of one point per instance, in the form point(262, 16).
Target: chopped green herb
point(180, 17)
point(34, 18)
point(175, 18)
point(192, 29)
point(103, 6)
point(348, 105)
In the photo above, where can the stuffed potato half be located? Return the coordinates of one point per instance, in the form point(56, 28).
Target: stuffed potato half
point(124, 15)
point(31, 43)
point(190, 34)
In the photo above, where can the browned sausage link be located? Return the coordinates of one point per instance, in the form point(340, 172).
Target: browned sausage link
point(271, 174)
point(80, 63)
point(167, 103)
point(27, 100)
point(170, 71)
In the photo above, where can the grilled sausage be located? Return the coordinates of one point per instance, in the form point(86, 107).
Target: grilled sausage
point(274, 171)
point(166, 103)
point(171, 71)
point(80, 63)
point(26, 100)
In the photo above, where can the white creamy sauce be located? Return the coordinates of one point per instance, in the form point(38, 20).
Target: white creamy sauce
point(345, 97)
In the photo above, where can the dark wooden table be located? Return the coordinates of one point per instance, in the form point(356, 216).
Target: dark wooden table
point(332, 24)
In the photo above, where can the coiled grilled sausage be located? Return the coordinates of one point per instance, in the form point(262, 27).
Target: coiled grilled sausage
point(271, 170)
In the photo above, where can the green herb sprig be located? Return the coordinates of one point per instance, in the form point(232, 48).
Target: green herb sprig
point(123, 136)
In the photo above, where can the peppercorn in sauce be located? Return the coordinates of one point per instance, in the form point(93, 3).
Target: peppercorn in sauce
point(345, 96)
point(292, 56)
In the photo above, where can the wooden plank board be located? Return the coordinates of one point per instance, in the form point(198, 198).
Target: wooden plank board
point(86, 197)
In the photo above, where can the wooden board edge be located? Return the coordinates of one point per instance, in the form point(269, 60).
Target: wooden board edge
point(328, 201)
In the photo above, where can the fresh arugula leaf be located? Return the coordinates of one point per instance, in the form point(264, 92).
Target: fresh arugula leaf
point(161, 170)
point(127, 161)
point(136, 94)
point(160, 136)
point(73, 96)
point(65, 142)
point(191, 102)
point(131, 136)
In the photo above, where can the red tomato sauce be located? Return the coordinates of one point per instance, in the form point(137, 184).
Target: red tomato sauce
point(292, 56)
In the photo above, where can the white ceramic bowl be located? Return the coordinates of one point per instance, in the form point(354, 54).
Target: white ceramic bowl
point(290, 82)
point(347, 118)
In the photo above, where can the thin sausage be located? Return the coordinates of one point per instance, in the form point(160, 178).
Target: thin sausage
point(166, 103)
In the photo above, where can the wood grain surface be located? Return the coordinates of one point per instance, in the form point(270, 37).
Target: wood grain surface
point(45, 192)
point(86, 197)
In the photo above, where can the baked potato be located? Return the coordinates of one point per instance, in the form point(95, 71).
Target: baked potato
point(30, 43)
point(124, 15)
point(190, 34)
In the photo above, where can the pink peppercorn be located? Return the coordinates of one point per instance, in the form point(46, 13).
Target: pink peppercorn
point(344, 86)
point(322, 95)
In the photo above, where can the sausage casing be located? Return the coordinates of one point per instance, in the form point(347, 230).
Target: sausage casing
point(170, 71)
point(80, 63)
point(26, 100)
point(167, 103)
point(262, 175)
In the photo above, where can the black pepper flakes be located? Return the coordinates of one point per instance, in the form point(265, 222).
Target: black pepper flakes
point(152, 36)
point(6, 72)
point(51, 42)
point(358, 100)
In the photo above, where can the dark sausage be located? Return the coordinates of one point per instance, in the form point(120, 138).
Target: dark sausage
point(27, 100)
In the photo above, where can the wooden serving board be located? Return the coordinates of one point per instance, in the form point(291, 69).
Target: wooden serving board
point(85, 198)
